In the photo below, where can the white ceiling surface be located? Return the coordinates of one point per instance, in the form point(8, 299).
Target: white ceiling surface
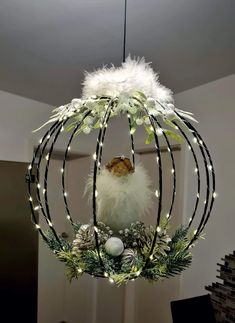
point(46, 45)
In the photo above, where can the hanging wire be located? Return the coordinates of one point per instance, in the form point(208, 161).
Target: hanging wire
point(124, 33)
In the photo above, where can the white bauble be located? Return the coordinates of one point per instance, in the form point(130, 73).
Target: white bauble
point(114, 246)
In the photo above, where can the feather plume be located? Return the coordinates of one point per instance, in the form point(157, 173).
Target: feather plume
point(133, 75)
point(122, 200)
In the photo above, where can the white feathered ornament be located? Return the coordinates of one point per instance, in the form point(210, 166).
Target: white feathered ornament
point(133, 75)
point(124, 194)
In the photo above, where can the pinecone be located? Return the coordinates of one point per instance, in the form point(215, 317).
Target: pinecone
point(85, 238)
point(133, 236)
point(129, 258)
point(161, 245)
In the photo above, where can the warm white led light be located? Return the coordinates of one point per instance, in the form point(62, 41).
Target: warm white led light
point(209, 167)
point(101, 144)
point(47, 157)
point(62, 129)
point(214, 194)
point(111, 280)
point(190, 220)
point(157, 193)
point(195, 140)
point(198, 195)
point(94, 156)
point(62, 170)
point(79, 270)
point(189, 147)
point(159, 131)
point(29, 167)
point(128, 116)
point(132, 151)
point(196, 170)
point(38, 185)
point(48, 136)
point(69, 147)
point(30, 199)
point(158, 229)
point(96, 229)
point(44, 191)
point(106, 274)
point(40, 141)
point(50, 223)
point(151, 257)
point(132, 131)
point(168, 215)
point(195, 232)
point(36, 208)
point(168, 149)
point(96, 193)
point(138, 272)
point(37, 226)
point(172, 171)
point(68, 217)
point(65, 194)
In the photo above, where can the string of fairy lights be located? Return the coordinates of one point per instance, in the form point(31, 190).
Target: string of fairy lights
point(173, 169)
point(67, 149)
point(46, 146)
point(132, 139)
point(41, 163)
point(190, 147)
point(97, 160)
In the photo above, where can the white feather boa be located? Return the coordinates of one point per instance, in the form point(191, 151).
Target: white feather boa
point(131, 76)
point(122, 200)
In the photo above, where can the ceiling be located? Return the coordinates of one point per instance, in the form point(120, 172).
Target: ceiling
point(46, 45)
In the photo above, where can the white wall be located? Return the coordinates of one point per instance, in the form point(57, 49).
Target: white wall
point(18, 117)
point(214, 107)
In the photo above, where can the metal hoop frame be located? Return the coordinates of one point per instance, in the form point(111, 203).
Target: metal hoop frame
point(185, 128)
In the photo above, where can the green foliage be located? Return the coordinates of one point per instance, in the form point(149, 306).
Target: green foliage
point(173, 135)
point(140, 96)
point(56, 243)
point(149, 139)
point(170, 256)
point(76, 226)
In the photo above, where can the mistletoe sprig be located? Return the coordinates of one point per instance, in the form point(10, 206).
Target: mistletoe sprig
point(90, 113)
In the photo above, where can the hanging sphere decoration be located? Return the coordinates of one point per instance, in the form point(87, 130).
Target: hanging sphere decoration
point(150, 252)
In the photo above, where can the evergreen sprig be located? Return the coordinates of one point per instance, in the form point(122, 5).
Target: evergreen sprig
point(170, 256)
